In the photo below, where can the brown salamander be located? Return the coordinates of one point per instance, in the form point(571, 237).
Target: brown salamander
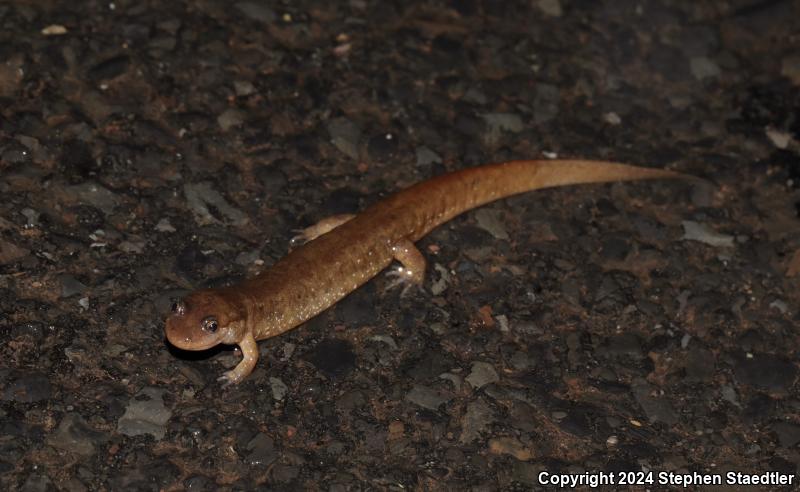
point(344, 252)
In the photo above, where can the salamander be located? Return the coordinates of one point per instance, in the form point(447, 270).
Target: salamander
point(345, 251)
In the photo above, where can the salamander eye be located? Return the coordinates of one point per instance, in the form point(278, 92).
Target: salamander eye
point(179, 308)
point(209, 324)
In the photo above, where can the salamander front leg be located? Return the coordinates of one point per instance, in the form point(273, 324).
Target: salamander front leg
point(249, 357)
point(324, 226)
point(411, 272)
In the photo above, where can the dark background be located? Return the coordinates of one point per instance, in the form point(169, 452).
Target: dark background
point(148, 148)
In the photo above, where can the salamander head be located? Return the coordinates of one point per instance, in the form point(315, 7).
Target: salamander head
point(204, 319)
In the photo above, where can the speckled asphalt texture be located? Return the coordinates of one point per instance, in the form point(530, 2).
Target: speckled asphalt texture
point(149, 148)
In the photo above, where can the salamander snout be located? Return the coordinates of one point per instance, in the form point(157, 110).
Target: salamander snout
point(201, 321)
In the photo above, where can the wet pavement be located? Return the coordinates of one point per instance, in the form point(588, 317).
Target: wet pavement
point(150, 148)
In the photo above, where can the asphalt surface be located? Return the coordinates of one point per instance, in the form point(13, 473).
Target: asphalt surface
point(631, 330)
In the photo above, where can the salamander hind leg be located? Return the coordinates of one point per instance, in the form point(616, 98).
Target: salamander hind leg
point(249, 357)
point(411, 272)
point(324, 226)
